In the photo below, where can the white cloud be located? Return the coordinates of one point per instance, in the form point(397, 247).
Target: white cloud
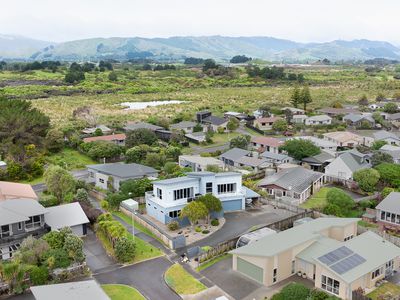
point(306, 20)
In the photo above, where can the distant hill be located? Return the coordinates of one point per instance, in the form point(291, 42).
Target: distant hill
point(218, 47)
point(20, 47)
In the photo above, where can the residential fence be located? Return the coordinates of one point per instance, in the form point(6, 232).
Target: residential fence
point(390, 238)
point(173, 242)
point(97, 195)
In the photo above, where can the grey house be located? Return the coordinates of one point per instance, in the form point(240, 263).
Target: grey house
point(19, 218)
point(104, 174)
point(142, 125)
point(357, 120)
point(231, 156)
point(185, 126)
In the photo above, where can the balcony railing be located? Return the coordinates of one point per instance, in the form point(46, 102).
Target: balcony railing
point(38, 231)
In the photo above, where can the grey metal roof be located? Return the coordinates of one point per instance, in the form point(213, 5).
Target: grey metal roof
point(124, 170)
point(66, 215)
point(19, 210)
point(391, 203)
point(251, 161)
point(215, 120)
point(183, 125)
point(354, 160)
point(358, 117)
point(141, 125)
point(321, 158)
point(383, 134)
point(250, 193)
point(234, 154)
point(294, 179)
point(70, 291)
point(276, 156)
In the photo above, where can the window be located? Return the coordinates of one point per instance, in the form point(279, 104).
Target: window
point(183, 193)
point(330, 285)
point(33, 222)
point(348, 238)
point(226, 188)
point(293, 266)
point(393, 218)
point(20, 226)
point(387, 216)
point(174, 214)
point(376, 273)
point(209, 187)
point(383, 215)
point(5, 230)
point(275, 275)
point(101, 180)
point(159, 193)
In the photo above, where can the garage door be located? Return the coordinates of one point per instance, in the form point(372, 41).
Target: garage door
point(250, 270)
point(232, 205)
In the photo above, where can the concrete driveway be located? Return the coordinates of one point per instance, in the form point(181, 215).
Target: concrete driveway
point(240, 222)
point(147, 277)
point(233, 283)
point(96, 257)
point(27, 296)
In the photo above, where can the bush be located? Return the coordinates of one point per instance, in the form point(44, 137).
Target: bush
point(173, 225)
point(104, 205)
point(124, 249)
point(205, 231)
point(339, 203)
point(214, 222)
point(82, 196)
point(39, 275)
point(293, 291)
point(56, 258)
point(197, 229)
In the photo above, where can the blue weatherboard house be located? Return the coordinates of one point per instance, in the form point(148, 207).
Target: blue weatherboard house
point(169, 196)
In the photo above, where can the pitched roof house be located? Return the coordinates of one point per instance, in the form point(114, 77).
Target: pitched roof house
point(266, 143)
point(118, 139)
point(344, 138)
point(199, 163)
point(388, 212)
point(265, 123)
point(141, 125)
point(321, 143)
point(344, 166)
point(320, 161)
point(240, 158)
point(358, 120)
point(185, 126)
point(100, 174)
point(318, 120)
point(393, 151)
point(88, 289)
point(389, 137)
point(326, 251)
point(298, 184)
point(12, 190)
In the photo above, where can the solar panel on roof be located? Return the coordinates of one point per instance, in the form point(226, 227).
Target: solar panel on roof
point(348, 264)
point(335, 255)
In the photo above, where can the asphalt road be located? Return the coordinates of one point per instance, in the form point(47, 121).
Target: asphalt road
point(146, 276)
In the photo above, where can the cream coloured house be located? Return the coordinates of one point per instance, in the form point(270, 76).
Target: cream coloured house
point(326, 251)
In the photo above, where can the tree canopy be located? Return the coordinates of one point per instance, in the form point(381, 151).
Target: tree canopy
point(339, 203)
point(299, 148)
point(194, 211)
point(241, 141)
point(59, 182)
point(367, 179)
point(139, 137)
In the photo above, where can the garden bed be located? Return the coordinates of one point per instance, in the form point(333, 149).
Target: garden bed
point(388, 288)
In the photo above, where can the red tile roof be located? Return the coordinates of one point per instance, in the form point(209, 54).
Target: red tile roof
point(112, 137)
point(267, 141)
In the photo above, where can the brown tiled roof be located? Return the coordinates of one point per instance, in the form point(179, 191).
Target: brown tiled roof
point(112, 137)
point(267, 141)
point(12, 190)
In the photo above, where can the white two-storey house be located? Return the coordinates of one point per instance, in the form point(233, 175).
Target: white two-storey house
point(169, 196)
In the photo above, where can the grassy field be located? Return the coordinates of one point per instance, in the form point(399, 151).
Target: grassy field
point(317, 201)
point(70, 159)
point(182, 282)
point(389, 289)
point(122, 292)
point(220, 94)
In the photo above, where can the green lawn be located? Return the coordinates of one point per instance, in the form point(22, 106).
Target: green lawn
point(122, 292)
point(389, 289)
point(144, 250)
point(213, 261)
point(70, 159)
point(137, 225)
point(317, 201)
point(182, 282)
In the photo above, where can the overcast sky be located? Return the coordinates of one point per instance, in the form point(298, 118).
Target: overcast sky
point(300, 20)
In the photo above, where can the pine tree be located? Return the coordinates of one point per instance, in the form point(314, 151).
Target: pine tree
point(305, 96)
point(295, 97)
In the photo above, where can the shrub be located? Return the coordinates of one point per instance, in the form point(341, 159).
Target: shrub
point(39, 275)
point(197, 229)
point(214, 222)
point(104, 205)
point(125, 249)
point(82, 196)
point(173, 225)
point(56, 258)
point(293, 291)
point(205, 231)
